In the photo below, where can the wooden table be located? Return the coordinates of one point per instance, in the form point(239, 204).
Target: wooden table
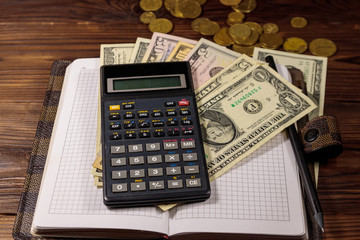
point(34, 33)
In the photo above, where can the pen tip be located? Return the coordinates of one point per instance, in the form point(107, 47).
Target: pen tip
point(323, 230)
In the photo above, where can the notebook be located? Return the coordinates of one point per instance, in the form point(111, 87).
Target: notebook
point(259, 198)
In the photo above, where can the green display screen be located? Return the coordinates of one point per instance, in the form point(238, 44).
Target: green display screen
point(157, 82)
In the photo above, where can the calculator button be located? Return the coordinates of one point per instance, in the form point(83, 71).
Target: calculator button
point(173, 133)
point(172, 158)
point(143, 115)
point(184, 112)
point(115, 136)
point(119, 174)
point(137, 173)
point(187, 144)
point(155, 172)
point(129, 115)
point(183, 102)
point(175, 184)
point(129, 125)
point(194, 182)
point(172, 123)
point(144, 135)
point(154, 159)
point(187, 157)
point(137, 186)
point(114, 117)
point(157, 114)
point(170, 104)
point(188, 132)
point(171, 145)
point(136, 160)
point(144, 124)
point(186, 122)
point(173, 171)
point(191, 169)
point(115, 126)
point(122, 187)
point(156, 185)
point(171, 113)
point(159, 134)
point(128, 106)
point(152, 147)
point(158, 124)
point(135, 148)
point(116, 162)
point(130, 135)
point(114, 107)
point(117, 149)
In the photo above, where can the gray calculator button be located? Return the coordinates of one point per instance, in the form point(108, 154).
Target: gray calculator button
point(191, 169)
point(172, 158)
point(115, 162)
point(136, 160)
point(135, 148)
point(138, 186)
point(118, 174)
point(122, 187)
point(117, 149)
point(173, 170)
point(154, 159)
point(175, 184)
point(187, 144)
point(137, 173)
point(156, 185)
point(171, 145)
point(152, 147)
point(194, 182)
point(155, 172)
point(187, 157)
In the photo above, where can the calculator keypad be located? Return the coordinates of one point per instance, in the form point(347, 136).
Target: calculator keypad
point(153, 147)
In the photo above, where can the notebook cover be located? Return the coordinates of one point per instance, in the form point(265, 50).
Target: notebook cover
point(27, 204)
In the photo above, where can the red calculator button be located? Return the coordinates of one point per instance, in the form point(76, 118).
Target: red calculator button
point(184, 103)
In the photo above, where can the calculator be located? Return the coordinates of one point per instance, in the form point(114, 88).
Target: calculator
point(151, 141)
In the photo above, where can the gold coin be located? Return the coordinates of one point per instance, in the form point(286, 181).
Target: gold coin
point(161, 25)
point(235, 17)
point(195, 24)
point(245, 6)
point(189, 9)
point(270, 28)
point(223, 38)
point(209, 28)
point(230, 2)
point(239, 32)
point(248, 50)
point(271, 40)
point(295, 45)
point(146, 17)
point(201, 2)
point(151, 5)
point(298, 22)
point(322, 47)
point(252, 39)
point(173, 7)
point(254, 27)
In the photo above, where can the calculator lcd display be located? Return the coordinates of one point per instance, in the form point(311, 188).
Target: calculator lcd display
point(146, 83)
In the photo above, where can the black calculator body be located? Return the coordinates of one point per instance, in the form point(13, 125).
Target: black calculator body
point(151, 142)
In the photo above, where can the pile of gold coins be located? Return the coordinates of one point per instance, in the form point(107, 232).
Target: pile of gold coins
point(238, 34)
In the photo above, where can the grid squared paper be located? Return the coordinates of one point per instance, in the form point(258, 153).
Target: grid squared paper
point(255, 190)
point(75, 192)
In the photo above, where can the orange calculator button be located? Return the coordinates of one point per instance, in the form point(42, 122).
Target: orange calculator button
point(114, 107)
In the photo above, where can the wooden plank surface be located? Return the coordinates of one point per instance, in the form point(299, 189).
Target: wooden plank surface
point(35, 33)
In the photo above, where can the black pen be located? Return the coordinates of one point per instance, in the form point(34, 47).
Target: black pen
point(305, 176)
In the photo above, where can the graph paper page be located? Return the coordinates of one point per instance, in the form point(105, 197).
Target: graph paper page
point(260, 195)
point(68, 197)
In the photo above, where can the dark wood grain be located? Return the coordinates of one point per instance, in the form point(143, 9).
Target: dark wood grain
point(34, 33)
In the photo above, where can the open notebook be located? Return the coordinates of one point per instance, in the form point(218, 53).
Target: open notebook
point(259, 198)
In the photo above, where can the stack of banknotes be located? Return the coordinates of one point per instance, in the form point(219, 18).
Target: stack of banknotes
point(242, 102)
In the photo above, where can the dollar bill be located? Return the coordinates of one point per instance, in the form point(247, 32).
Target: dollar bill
point(111, 54)
point(139, 50)
point(242, 115)
point(313, 68)
point(180, 51)
point(207, 59)
point(225, 76)
point(161, 46)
